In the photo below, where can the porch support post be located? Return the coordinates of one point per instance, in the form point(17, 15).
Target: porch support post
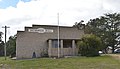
point(73, 47)
point(50, 48)
point(61, 54)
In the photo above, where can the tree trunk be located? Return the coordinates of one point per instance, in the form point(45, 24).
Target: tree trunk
point(113, 49)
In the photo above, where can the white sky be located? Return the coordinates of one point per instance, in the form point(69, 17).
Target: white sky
point(44, 12)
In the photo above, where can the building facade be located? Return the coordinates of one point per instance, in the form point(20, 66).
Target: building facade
point(42, 40)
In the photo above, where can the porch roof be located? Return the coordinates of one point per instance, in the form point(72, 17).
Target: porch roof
point(66, 39)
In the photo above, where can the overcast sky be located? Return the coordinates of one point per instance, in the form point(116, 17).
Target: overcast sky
point(20, 13)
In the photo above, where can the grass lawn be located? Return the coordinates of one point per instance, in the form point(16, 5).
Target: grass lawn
point(102, 62)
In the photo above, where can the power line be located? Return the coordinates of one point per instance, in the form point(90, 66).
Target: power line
point(5, 40)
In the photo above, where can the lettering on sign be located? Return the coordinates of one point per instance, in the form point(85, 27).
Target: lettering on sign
point(41, 30)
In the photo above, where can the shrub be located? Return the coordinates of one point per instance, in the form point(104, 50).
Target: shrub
point(89, 45)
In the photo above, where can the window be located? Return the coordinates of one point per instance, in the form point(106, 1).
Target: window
point(55, 44)
point(67, 43)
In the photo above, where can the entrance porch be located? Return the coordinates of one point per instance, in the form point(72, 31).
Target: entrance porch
point(67, 47)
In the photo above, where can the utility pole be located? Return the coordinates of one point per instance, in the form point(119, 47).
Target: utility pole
point(5, 40)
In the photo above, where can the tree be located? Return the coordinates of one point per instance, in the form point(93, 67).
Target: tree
point(11, 46)
point(106, 27)
point(79, 25)
point(2, 48)
point(90, 45)
point(1, 36)
point(1, 45)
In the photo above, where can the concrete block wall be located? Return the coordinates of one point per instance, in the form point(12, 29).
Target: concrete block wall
point(29, 42)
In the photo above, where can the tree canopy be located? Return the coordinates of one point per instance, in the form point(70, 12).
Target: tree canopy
point(11, 46)
point(1, 36)
point(106, 27)
point(1, 45)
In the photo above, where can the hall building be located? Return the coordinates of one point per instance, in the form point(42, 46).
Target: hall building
point(42, 40)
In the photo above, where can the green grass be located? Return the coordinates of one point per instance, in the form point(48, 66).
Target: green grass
point(102, 62)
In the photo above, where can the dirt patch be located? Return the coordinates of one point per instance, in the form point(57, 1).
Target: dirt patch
point(116, 56)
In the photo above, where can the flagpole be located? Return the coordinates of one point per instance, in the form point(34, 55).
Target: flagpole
point(58, 38)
